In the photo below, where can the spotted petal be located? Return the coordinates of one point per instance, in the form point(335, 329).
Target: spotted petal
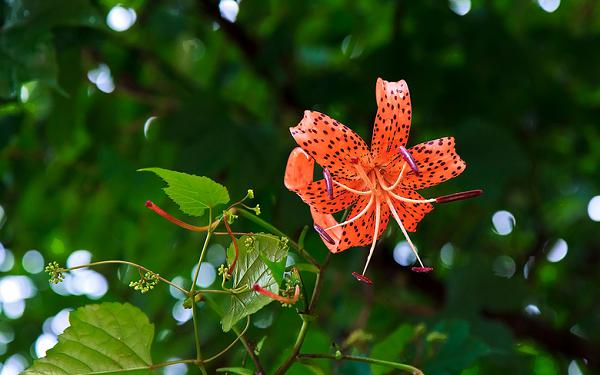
point(410, 213)
point(437, 161)
point(392, 122)
point(298, 178)
point(360, 232)
point(332, 144)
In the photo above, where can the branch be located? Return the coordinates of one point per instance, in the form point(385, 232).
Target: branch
point(373, 361)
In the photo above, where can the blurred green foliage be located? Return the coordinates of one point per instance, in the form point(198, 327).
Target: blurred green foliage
point(517, 86)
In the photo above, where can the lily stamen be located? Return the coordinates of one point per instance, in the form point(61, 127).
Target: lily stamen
point(364, 211)
point(458, 196)
point(287, 300)
point(326, 237)
point(375, 235)
point(360, 192)
point(390, 188)
point(175, 221)
point(409, 159)
point(328, 183)
point(397, 218)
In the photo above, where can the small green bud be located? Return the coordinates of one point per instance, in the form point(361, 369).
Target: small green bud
point(250, 194)
point(256, 209)
point(338, 355)
point(55, 271)
point(146, 283)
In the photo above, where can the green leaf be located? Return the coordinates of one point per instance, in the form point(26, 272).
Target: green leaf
point(105, 338)
point(235, 370)
point(251, 269)
point(193, 194)
point(391, 347)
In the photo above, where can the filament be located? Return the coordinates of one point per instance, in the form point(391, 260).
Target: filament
point(395, 215)
point(364, 211)
point(375, 234)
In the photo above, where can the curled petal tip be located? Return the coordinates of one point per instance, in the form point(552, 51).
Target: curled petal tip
point(328, 183)
point(422, 269)
point(459, 196)
point(326, 237)
point(362, 278)
point(409, 159)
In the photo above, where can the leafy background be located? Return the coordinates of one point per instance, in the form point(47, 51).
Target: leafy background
point(516, 84)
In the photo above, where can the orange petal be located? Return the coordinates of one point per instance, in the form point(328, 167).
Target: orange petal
point(326, 221)
point(298, 178)
point(360, 232)
point(437, 161)
point(410, 213)
point(332, 144)
point(299, 170)
point(392, 123)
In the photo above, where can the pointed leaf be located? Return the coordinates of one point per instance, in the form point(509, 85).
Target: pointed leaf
point(105, 338)
point(193, 194)
point(251, 269)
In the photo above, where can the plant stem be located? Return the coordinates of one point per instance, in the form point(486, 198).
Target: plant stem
point(395, 365)
point(306, 318)
point(259, 369)
point(297, 345)
point(239, 336)
point(257, 220)
point(129, 264)
point(318, 283)
point(192, 294)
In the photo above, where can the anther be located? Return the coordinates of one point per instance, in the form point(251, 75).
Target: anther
point(409, 159)
point(326, 237)
point(328, 182)
point(459, 196)
point(354, 160)
point(362, 278)
point(422, 269)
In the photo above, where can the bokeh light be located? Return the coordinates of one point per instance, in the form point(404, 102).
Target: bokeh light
point(44, 342)
point(593, 208)
point(460, 7)
point(504, 266)
point(558, 251)
point(33, 261)
point(549, 5)
point(403, 254)
point(229, 9)
point(503, 222)
point(206, 276)
point(120, 18)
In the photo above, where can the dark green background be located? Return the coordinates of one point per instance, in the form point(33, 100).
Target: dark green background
point(518, 87)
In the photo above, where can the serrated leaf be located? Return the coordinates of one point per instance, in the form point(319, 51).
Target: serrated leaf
point(105, 338)
point(251, 269)
point(193, 194)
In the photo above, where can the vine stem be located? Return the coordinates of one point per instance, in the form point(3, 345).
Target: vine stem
point(192, 294)
point(395, 365)
point(268, 226)
point(142, 268)
point(306, 319)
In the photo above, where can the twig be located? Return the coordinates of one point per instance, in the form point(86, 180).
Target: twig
point(395, 365)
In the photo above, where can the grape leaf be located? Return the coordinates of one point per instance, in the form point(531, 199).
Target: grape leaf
point(193, 194)
point(106, 338)
point(251, 269)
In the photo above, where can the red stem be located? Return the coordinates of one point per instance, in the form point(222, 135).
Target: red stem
point(277, 297)
point(173, 220)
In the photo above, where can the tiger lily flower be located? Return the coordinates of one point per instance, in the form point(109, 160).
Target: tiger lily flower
point(379, 182)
